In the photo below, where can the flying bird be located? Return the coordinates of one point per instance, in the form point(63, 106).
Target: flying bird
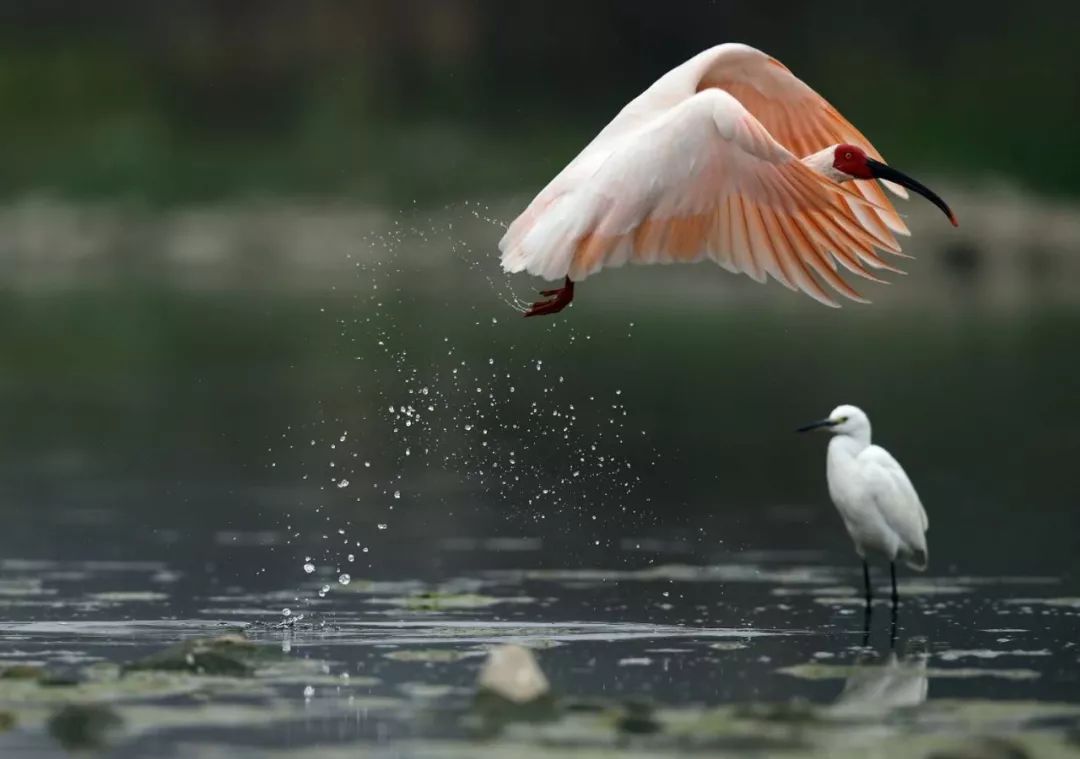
point(728, 157)
point(875, 498)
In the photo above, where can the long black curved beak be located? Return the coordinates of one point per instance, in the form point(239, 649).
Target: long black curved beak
point(889, 174)
point(817, 425)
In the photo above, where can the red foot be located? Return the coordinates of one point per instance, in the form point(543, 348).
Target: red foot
point(556, 301)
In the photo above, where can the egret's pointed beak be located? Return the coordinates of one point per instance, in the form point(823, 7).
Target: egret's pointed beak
point(889, 174)
point(818, 425)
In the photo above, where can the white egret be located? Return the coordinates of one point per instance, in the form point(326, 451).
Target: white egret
point(875, 498)
point(729, 157)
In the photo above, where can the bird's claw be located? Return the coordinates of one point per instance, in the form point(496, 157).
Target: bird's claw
point(550, 306)
point(557, 300)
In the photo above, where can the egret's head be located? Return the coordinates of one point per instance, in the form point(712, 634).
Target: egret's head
point(844, 420)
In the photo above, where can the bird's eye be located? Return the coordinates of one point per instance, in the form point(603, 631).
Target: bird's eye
point(847, 156)
point(841, 420)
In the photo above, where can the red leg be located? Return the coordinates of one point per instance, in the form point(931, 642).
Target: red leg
point(556, 301)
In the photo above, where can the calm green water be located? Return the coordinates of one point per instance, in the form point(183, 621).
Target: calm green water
point(620, 489)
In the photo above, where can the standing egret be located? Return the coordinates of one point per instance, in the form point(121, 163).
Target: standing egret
point(874, 496)
point(729, 157)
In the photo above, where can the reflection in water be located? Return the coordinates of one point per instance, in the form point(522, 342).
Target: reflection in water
point(880, 687)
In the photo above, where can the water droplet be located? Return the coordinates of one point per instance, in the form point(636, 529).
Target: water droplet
point(308, 691)
point(351, 557)
point(397, 494)
point(286, 612)
point(309, 567)
point(382, 526)
point(343, 483)
point(344, 579)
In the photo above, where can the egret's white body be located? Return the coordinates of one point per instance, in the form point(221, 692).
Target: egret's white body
point(875, 498)
point(728, 157)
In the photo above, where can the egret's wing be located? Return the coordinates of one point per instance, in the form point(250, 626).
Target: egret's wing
point(704, 179)
point(797, 116)
point(895, 497)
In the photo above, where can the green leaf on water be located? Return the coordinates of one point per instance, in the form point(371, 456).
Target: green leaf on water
point(227, 655)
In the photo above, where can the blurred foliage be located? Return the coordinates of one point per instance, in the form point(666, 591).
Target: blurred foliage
point(432, 100)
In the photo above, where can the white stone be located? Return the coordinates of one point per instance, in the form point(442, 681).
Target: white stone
point(513, 673)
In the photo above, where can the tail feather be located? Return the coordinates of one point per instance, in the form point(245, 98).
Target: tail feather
point(545, 247)
point(918, 559)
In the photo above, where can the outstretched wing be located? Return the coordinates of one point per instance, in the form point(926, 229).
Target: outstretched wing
point(702, 179)
point(896, 499)
point(798, 117)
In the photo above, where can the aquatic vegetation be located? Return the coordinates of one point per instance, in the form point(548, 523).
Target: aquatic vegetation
point(817, 671)
point(726, 667)
point(433, 655)
point(228, 656)
point(442, 601)
point(80, 727)
point(21, 672)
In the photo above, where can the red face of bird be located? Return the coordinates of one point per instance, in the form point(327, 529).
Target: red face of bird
point(853, 161)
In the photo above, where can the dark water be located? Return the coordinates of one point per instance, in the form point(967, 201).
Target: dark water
point(620, 490)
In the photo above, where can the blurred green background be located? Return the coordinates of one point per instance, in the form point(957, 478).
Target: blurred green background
point(231, 232)
point(430, 100)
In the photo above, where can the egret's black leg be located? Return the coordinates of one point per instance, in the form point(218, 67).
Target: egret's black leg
point(895, 595)
point(866, 582)
point(866, 624)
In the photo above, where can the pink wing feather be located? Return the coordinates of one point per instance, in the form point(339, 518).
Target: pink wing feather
point(689, 170)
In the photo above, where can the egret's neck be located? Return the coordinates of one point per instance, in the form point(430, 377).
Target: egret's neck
point(822, 163)
point(849, 444)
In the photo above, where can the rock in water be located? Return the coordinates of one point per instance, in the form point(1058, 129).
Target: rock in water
point(512, 673)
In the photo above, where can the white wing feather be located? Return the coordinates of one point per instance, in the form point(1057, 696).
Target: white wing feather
point(896, 501)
